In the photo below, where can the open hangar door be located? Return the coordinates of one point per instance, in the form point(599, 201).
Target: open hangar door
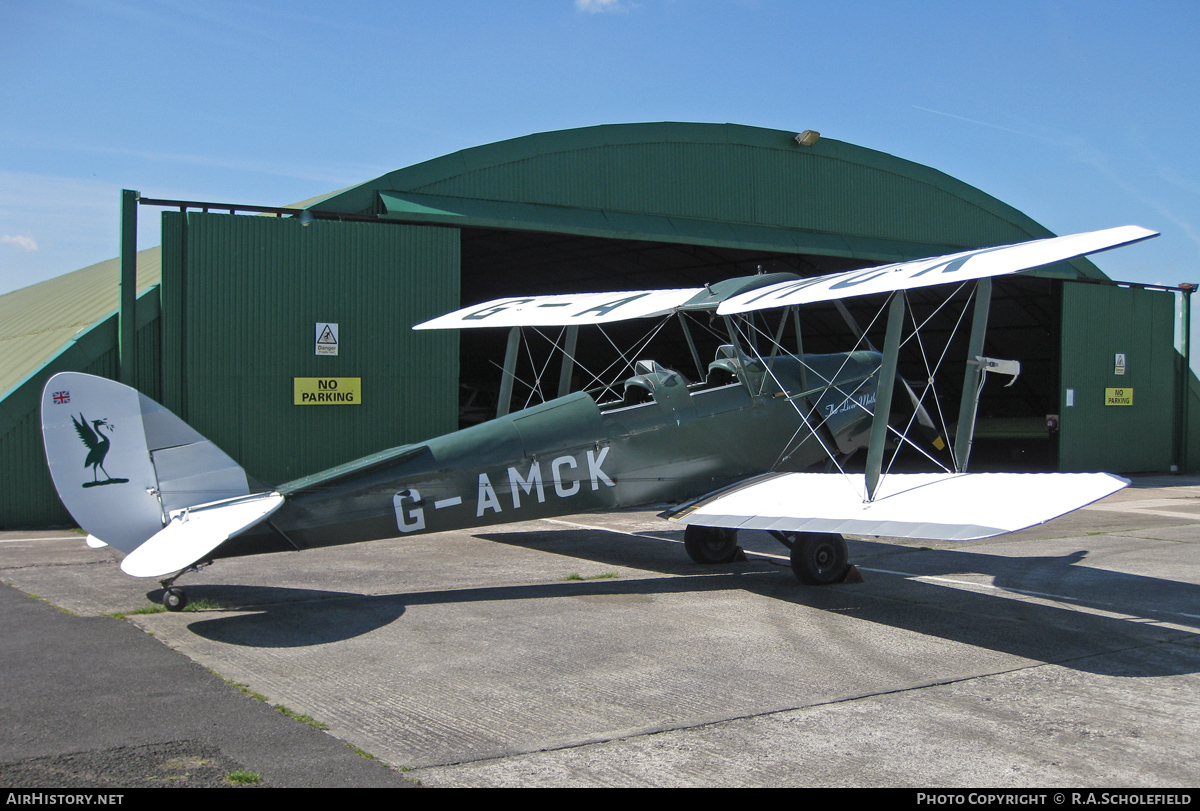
point(1024, 325)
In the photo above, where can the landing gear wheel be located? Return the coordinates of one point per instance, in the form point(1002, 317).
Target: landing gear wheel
point(710, 544)
point(819, 558)
point(174, 599)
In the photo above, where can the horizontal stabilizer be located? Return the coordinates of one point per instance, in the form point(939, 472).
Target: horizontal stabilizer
point(194, 532)
point(929, 506)
point(952, 268)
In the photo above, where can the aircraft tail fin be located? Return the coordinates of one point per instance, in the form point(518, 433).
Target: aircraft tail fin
point(126, 468)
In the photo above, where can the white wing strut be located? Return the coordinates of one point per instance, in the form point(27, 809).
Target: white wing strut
point(956, 267)
point(932, 506)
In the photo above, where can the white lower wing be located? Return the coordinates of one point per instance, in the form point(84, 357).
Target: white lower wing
point(931, 506)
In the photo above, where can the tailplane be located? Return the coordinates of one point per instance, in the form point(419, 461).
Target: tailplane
point(128, 470)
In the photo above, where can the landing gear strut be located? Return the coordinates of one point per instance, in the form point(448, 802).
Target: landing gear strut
point(711, 544)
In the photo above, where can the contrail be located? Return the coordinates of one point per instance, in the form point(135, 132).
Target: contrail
point(986, 124)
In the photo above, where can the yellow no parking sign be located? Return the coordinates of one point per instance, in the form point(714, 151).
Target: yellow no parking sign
point(327, 390)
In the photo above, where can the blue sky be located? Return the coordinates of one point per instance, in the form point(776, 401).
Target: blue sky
point(1081, 114)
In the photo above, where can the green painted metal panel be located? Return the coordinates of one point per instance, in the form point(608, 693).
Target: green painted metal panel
point(173, 258)
point(1191, 460)
point(1099, 322)
point(28, 500)
point(241, 299)
point(127, 310)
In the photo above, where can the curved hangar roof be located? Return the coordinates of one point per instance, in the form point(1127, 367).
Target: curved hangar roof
point(718, 185)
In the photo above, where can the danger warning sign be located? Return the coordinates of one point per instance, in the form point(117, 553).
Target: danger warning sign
point(327, 338)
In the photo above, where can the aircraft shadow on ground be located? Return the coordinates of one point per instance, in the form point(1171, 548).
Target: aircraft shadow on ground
point(1122, 641)
point(288, 618)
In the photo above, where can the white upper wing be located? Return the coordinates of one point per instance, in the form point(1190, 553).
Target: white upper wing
point(957, 267)
point(564, 310)
point(604, 308)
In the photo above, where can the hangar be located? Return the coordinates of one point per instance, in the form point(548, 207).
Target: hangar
point(228, 309)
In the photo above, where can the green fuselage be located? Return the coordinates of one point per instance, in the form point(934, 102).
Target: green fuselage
point(666, 441)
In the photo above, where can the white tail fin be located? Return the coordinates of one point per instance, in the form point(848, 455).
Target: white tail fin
point(122, 464)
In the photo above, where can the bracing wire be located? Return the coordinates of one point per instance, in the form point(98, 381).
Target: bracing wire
point(623, 360)
point(931, 375)
point(814, 431)
point(847, 396)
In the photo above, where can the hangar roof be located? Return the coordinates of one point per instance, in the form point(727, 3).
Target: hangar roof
point(723, 185)
point(36, 321)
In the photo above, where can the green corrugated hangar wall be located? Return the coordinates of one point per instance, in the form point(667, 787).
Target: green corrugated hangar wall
point(610, 207)
point(1135, 429)
point(241, 297)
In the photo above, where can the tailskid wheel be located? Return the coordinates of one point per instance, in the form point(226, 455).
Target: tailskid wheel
point(711, 544)
point(819, 558)
point(174, 599)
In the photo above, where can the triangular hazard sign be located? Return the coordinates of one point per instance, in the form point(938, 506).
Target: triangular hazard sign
point(327, 336)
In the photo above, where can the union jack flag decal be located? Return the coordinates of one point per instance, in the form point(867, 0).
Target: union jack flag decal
point(61, 397)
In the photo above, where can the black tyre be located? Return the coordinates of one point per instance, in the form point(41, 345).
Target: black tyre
point(819, 558)
point(174, 599)
point(710, 544)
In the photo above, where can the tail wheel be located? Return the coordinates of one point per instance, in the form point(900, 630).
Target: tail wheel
point(174, 599)
point(710, 544)
point(819, 558)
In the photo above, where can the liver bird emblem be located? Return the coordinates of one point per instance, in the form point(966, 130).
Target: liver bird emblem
point(97, 444)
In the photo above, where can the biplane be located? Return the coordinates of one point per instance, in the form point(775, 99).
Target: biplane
point(733, 449)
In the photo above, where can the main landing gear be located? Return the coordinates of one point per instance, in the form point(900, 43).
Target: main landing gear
point(817, 558)
point(711, 544)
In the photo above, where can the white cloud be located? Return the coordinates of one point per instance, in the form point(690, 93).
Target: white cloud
point(24, 243)
point(597, 6)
